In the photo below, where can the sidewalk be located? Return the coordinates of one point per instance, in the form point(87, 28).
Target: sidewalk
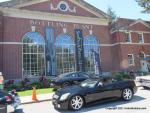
point(43, 97)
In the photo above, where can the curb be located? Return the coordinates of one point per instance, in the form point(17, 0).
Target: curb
point(32, 102)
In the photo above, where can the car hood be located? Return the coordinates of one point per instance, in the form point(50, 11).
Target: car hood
point(71, 89)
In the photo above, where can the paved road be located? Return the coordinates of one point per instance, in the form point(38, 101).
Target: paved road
point(140, 104)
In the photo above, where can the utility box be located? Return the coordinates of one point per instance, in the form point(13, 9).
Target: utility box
point(1, 81)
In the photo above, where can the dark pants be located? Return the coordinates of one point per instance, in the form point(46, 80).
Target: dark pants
point(3, 108)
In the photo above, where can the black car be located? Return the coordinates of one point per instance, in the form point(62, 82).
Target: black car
point(5, 98)
point(68, 79)
point(9, 98)
point(92, 90)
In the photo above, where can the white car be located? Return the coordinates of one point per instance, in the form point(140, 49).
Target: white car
point(144, 81)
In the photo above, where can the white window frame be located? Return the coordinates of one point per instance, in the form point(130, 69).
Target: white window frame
point(133, 64)
point(130, 38)
point(142, 38)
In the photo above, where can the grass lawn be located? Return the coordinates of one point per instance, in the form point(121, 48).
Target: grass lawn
point(38, 92)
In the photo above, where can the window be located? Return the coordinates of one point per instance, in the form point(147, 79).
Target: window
point(131, 60)
point(142, 55)
point(33, 54)
point(141, 38)
point(63, 6)
point(90, 44)
point(65, 54)
point(128, 37)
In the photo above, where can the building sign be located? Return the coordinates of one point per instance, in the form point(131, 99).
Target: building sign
point(59, 24)
point(79, 50)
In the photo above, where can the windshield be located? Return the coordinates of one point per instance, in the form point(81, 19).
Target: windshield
point(89, 83)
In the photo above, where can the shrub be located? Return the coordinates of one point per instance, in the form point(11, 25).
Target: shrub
point(25, 84)
point(121, 76)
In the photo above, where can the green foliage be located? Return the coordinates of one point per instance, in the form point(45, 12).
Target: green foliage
point(145, 4)
point(121, 76)
point(38, 92)
point(112, 14)
point(27, 85)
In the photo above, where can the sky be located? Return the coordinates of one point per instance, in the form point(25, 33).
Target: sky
point(122, 8)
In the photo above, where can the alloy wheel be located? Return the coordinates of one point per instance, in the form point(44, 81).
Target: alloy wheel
point(127, 94)
point(76, 102)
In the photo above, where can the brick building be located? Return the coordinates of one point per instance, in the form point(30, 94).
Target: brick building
point(50, 37)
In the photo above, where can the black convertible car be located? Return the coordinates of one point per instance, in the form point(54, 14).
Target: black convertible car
point(68, 79)
point(92, 90)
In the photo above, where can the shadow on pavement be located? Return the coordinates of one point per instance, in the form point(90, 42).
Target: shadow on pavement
point(100, 105)
point(18, 111)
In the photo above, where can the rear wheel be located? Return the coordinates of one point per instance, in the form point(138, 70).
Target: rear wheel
point(76, 102)
point(127, 94)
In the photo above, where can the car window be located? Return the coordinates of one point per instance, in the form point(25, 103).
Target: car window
point(83, 75)
point(108, 81)
point(72, 75)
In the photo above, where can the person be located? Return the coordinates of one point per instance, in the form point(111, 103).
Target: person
point(1, 81)
point(148, 66)
point(132, 75)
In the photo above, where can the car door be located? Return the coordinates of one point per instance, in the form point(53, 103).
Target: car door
point(107, 90)
point(82, 77)
point(73, 78)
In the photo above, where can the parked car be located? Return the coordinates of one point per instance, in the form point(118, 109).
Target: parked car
point(92, 90)
point(68, 79)
point(10, 98)
point(144, 81)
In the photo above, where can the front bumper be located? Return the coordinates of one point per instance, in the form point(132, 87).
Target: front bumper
point(61, 105)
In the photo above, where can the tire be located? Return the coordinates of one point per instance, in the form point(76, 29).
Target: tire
point(76, 103)
point(65, 84)
point(127, 94)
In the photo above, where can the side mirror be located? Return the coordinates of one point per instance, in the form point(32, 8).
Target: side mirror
point(100, 84)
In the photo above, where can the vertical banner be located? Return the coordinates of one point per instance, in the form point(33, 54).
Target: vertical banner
point(50, 51)
point(97, 64)
point(79, 50)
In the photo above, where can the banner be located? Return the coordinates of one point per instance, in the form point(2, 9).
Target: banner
point(50, 51)
point(97, 64)
point(79, 50)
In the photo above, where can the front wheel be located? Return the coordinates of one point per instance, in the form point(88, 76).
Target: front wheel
point(76, 102)
point(127, 94)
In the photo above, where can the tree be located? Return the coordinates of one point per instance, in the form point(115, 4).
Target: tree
point(145, 4)
point(112, 15)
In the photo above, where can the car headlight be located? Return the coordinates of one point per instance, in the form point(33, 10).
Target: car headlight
point(64, 96)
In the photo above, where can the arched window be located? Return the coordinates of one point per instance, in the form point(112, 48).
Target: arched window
point(90, 44)
point(65, 54)
point(33, 54)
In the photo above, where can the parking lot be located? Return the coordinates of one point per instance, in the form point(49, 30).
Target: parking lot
point(139, 104)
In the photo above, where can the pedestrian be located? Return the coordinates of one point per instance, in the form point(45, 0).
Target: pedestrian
point(132, 75)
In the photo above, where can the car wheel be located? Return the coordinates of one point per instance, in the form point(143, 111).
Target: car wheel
point(127, 94)
point(76, 102)
point(65, 84)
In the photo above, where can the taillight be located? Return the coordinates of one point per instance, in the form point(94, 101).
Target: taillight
point(8, 99)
